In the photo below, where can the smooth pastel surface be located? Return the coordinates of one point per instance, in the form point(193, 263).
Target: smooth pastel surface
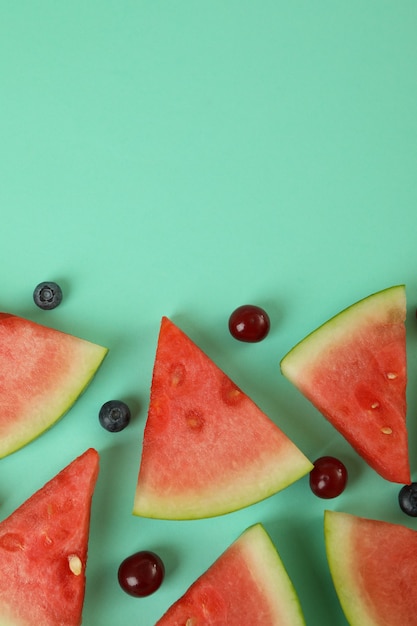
point(182, 159)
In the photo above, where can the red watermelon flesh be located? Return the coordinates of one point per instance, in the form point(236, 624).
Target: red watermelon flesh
point(42, 373)
point(43, 550)
point(207, 448)
point(374, 568)
point(353, 369)
point(248, 584)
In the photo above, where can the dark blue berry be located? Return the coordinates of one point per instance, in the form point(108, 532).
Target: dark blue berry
point(47, 295)
point(407, 499)
point(114, 415)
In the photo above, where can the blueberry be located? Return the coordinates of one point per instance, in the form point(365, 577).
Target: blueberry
point(114, 415)
point(47, 295)
point(407, 499)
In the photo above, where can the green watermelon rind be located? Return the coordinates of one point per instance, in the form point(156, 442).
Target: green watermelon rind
point(222, 499)
point(269, 577)
point(47, 410)
point(373, 565)
point(337, 529)
point(339, 325)
point(269, 570)
point(53, 414)
point(96, 358)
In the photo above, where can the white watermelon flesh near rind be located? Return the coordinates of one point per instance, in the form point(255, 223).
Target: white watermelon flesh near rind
point(373, 565)
point(223, 494)
point(354, 366)
point(343, 572)
point(247, 584)
point(42, 371)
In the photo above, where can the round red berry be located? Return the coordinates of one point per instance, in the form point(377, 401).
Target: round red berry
point(249, 323)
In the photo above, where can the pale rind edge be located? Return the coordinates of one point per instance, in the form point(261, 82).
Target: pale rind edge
point(61, 400)
point(268, 570)
point(272, 476)
point(306, 351)
point(337, 530)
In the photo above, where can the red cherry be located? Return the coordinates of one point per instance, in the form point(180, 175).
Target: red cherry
point(328, 478)
point(249, 323)
point(141, 573)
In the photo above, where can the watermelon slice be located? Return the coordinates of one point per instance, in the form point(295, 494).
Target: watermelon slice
point(374, 567)
point(248, 584)
point(42, 373)
point(43, 550)
point(207, 448)
point(353, 369)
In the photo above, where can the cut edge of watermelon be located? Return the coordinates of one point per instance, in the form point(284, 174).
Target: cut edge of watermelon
point(372, 564)
point(58, 401)
point(269, 570)
point(222, 499)
point(337, 326)
point(337, 530)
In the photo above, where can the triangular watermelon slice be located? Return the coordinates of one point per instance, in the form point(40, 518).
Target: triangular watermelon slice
point(248, 584)
point(374, 568)
point(43, 550)
point(42, 373)
point(207, 448)
point(353, 369)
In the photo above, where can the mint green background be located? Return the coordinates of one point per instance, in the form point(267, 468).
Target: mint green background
point(183, 158)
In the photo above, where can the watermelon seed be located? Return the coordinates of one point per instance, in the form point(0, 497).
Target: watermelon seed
point(386, 430)
point(231, 394)
point(194, 420)
point(75, 564)
point(12, 542)
point(177, 373)
point(391, 375)
point(375, 405)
